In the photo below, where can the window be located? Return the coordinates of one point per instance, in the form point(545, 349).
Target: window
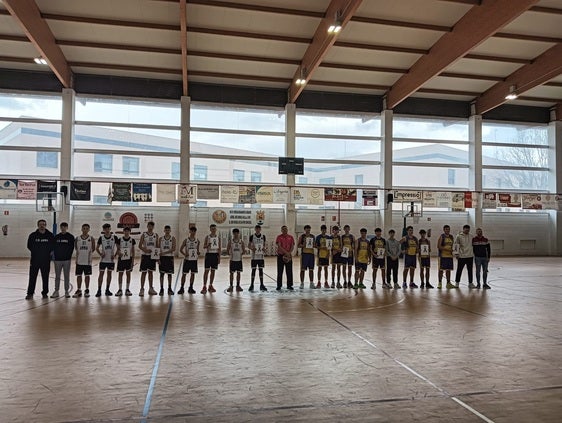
point(451, 176)
point(358, 179)
point(130, 166)
point(327, 181)
point(200, 203)
point(302, 180)
point(103, 163)
point(175, 170)
point(47, 159)
point(255, 176)
point(199, 173)
point(100, 199)
point(238, 175)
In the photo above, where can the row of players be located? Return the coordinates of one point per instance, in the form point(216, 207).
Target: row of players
point(345, 252)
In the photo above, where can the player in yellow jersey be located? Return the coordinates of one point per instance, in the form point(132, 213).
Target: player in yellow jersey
point(322, 246)
point(445, 247)
point(306, 244)
point(410, 247)
point(362, 258)
point(347, 251)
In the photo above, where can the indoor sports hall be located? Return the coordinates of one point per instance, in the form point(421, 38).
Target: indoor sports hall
point(202, 203)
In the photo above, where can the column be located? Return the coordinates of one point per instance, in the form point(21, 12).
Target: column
point(185, 145)
point(290, 149)
point(386, 170)
point(555, 181)
point(475, 166)
point(67, 146)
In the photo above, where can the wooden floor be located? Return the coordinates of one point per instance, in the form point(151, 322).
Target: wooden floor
point(310, 355)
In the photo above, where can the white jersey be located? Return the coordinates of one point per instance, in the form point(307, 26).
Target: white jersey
point(192, 246)
point(149, 241)
point(126, 246)
point(166, 244)
point(236, 250)
point(108, 247)
point(84, 250)
point(212, 244)
point(259, 244)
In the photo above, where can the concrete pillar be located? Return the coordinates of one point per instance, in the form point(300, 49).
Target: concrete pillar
point(290, 150)
point(475, 166)
point(67, 145)
point(555, 182)
point(386, 170)
point(185, 145)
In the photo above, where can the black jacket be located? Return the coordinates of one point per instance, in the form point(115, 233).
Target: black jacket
point(41, 245)
point(64, 246)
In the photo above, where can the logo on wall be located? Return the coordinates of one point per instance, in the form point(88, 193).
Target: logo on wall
point(260, 217)
point(107, 216)
point(128, 220)
point(219, 216)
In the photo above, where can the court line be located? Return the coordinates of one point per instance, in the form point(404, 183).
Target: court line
point(404, 366)
point(152, 383)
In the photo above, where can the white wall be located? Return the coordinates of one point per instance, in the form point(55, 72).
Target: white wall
point(510, 233)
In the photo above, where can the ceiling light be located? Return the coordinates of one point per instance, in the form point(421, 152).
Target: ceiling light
point(40, 61)
point(512, 93)
point(335, 27)
point(301, 80)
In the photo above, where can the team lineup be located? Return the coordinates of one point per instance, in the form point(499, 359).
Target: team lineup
point(348, 256)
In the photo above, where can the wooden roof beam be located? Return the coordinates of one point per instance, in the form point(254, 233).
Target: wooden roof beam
point(478, 24)
point(321, 43)
point(545, 67)
point(28, 15)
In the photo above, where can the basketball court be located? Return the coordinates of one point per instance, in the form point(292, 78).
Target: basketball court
point(307, 355)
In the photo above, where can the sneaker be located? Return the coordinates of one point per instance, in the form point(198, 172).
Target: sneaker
point(181, 291)
point(450, 285)
point(119, 293)
point(212, 288)
point(190, 290)
point(440, 285)
point(385, 285)
point(55, 294)
point(486, 286)
point(457, 285)
point(128, 293)
point(229, 289)
point(471, 286)
point(326, 285)
point(404, 285)
point(333, 285)
point(239, 288)
point(422, 285)
point(44, 295)
point(98, 294)
point(478, 285)
point(290, 288)
point(339, 285)
point(429, 286)
point(170, 292)
point(345, 285)
point(141, 292)
point(108, 293)
point(356, 286)
point(86, 293)
point(413, 285)
point(29, 297)
point(263, 288)
point(301, 286)
point(318, 285)
point(362, 285)
point(251, 288)
point(278, 288)
point(161, 292)
point(77, 294)
point(204, 290)
point(151, 291)
point(396, 286)
point(66, 295)
point(373, 286)
point(312, 285)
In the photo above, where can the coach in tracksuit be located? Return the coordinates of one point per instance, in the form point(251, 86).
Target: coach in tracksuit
point(41, 243)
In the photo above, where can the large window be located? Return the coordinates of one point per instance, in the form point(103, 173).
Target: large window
point(48, 159)
point(131, 166)
point(515, 156)
point(240, 137)
point(103, 163)
point(200, 173)
point(430, 152)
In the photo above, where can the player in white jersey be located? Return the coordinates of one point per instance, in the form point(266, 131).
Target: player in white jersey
point(257, 246)
point(235, 249)
point(213, 248)
point(126, 261)
point(190, 250)
point(84, 246)
point(108, 249)
point(167, 245)
point(150, 254)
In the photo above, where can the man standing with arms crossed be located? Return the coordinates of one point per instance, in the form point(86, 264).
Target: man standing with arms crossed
point(285, 245)
point(465, 255)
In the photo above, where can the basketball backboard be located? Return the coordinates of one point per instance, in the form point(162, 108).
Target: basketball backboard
point(49, 202)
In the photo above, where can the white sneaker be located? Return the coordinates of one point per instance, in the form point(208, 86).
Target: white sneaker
point(301, 285)
point(471, 286)
point(312, 286)
point(55, 294)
